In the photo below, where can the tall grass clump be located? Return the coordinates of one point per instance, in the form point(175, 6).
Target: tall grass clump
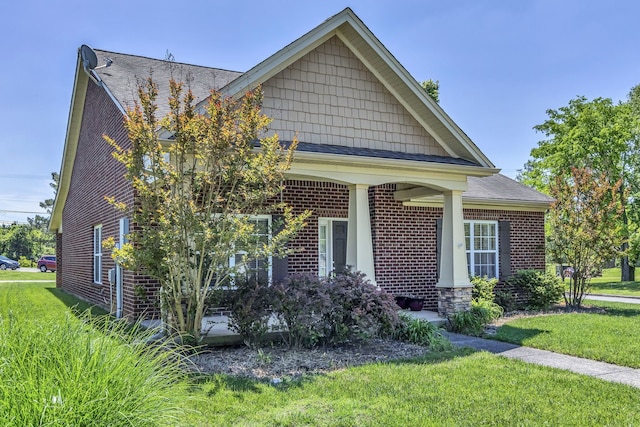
point(483, 308)
point(421, 332)
point(68, 372)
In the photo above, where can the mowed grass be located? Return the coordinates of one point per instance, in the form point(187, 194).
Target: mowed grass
point(459, 388)
point(612, 336)
point(454, 389)
point(41, 300)
point(7, 275)
point(609, 283)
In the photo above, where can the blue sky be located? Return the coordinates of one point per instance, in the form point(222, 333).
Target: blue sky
point(501, 63)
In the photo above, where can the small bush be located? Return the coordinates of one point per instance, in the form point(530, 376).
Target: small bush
point(488, 311)
point(473, 321)
point(421, 332)
point(302, 304)
point(483, 288)
point(250, 310)
point(505, 300)
point(360, 309)
point(543, 289)
point(26, 262)
point(315, 311)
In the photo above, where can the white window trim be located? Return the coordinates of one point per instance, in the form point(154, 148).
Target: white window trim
point(472, 251)
point(97, 254)
point(328, 223)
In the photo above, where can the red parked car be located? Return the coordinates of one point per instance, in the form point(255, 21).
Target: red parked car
point(47, 262)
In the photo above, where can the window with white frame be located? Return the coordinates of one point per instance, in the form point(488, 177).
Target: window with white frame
point(97, 254)
point(481, 238)
point(255, 269)
point(324, 247)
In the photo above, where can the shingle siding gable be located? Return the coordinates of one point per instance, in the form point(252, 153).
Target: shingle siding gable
point(330, 97)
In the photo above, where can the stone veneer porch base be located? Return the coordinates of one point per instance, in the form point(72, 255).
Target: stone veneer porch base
point(453, 300)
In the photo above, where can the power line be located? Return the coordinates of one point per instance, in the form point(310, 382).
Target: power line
point(23, 212)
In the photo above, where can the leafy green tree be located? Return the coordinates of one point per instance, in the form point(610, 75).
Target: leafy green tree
point(598, 135)
point(433, 88)
point(195, 194)
point(585, 230)
point(15, 242)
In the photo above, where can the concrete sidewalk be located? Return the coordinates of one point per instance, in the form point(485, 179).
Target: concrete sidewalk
point(602, 370)
point(613, 298)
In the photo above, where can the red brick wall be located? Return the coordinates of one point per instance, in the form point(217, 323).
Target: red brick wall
point(526, 235)
point(404, 246)
point(325, 200)
point(404, 237)
point(96, 174)
point(58, 260)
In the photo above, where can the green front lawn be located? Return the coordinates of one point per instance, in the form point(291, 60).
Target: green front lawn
point(455, 388)
point(40, 300)
point(458, 389)
point(26, 275)
point(609, 283)
point(612, 337)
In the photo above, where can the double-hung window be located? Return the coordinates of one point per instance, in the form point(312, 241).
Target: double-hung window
point(255, 269)
point(97, 254)
point(481, 238)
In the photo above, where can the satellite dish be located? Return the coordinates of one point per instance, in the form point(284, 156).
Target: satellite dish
point(89, 58)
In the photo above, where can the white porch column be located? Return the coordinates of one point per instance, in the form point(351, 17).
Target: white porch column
point(454, 284)
point(359, 243)
point(453, 252)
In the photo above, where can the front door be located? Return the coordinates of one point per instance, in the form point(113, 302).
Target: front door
point(339, 243)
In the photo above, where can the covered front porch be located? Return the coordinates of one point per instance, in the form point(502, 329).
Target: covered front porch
point(414, 182)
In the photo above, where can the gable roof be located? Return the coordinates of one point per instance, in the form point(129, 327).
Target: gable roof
point(375, 56)
point(121, 78)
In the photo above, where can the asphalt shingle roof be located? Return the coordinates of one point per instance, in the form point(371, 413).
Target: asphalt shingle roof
point(499, 187)
point(125, 73)
point(383, 154)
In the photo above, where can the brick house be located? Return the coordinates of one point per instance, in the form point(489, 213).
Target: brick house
point(397, 189)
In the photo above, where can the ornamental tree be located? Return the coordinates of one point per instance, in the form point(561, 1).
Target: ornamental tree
point(584, 226)
point(197, 191)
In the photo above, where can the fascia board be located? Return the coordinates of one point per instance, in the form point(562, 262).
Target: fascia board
point(396, 164)
point(286, 56)
point(74, 123)
point(488, 204)
point(344, 169)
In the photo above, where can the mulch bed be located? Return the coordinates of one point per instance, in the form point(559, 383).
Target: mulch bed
point(280, 361)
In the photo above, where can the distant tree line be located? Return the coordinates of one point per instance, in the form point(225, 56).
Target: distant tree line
point(31, 240)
